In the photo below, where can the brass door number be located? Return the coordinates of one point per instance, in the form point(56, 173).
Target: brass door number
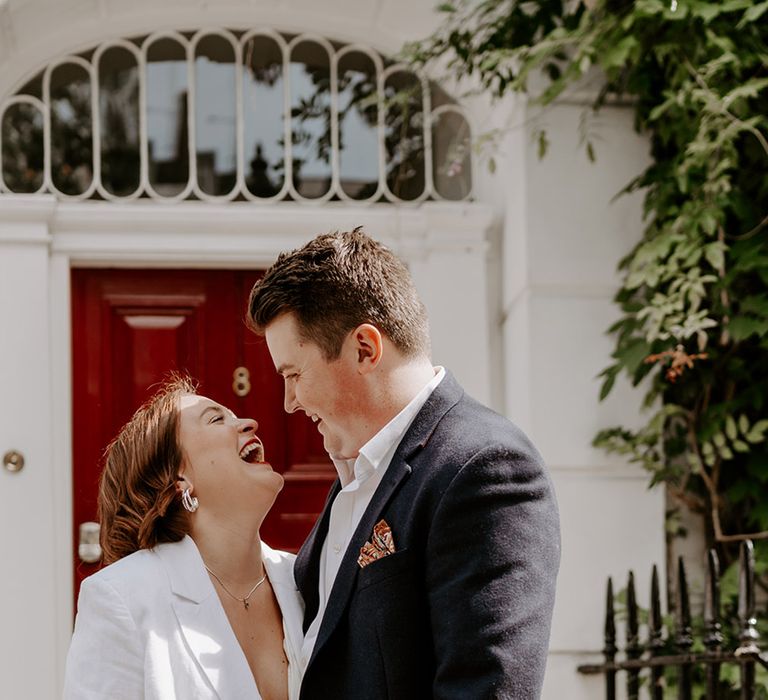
point(241, 381)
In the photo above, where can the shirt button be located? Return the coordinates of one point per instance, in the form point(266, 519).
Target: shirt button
point(337, 548)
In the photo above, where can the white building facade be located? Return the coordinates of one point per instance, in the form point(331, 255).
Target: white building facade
point(517, 273)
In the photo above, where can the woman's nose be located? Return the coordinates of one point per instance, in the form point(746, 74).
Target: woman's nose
point(248, 425)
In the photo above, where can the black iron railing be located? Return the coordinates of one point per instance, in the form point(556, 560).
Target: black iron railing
point(674, 649)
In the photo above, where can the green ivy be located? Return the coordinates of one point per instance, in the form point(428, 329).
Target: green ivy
point(693, 324)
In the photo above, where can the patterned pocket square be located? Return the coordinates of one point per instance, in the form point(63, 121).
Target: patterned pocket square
point(382, 544)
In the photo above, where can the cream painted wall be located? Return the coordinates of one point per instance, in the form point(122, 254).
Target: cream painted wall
point(28, 545)
point(518, 288)
point(573, 238)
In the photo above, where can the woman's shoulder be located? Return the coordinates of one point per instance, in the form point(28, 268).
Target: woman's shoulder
point(142, 571)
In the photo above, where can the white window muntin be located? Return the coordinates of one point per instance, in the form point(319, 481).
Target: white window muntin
point(240, 188)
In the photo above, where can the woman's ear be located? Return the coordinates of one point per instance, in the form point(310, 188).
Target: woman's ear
point(369, 346)
point(182, 483)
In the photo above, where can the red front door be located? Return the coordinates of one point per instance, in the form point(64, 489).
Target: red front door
point(131, 328)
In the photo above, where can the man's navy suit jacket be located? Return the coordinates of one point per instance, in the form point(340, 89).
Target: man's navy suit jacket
point(462, 609)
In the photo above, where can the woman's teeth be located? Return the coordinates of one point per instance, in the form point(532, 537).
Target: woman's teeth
point(252, 452)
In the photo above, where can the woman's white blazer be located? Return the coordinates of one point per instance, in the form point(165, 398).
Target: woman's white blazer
point(151, 627)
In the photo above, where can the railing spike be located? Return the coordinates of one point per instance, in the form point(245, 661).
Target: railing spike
point(713, 635)
point(634, 650)
point(712, 626)
point(655, 640)
point(748, 634)
point(684, 635)
point(609, 650)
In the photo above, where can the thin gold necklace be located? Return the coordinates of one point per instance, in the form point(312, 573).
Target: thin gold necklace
point(244, 601)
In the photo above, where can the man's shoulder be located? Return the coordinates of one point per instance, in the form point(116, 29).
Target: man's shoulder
point(470, 427)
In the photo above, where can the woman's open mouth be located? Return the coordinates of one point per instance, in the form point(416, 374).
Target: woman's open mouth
point(253, 451)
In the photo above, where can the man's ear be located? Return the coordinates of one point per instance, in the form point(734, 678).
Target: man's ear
point(369, 346)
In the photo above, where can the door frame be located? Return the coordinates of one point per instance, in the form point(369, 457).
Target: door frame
point(189, 235)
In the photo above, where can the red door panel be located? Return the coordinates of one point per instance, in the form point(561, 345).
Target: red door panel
point(131, 328)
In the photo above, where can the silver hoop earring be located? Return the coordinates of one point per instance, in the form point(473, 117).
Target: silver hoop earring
point(189, 501)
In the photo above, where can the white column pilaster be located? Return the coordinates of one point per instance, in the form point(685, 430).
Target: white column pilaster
point(28, 592)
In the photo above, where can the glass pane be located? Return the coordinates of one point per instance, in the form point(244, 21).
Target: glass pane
point(215, 124)
point(167, 130)
point(358, 133)
point(71, 129)
point(119, 121)
point(22, 155)
point(311, 119)
point(451, 163)
point(404, 135)
point(263, 94)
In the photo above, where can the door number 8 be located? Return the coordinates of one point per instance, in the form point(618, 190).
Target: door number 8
point(241, 381)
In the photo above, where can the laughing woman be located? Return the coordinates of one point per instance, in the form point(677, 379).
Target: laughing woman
point(192, 605)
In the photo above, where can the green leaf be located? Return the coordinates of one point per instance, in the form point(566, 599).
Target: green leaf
point(694, 462)
point(719, 440)
point(753, 13)
point(725, 452)
point(761, 426)
point(715, 255)
point(446, 7)
point(707, 10)
point(730, 428)
point(610, 379)
point(633, 354)
point(734, 5)
point(740, 446)
point(743, 424)
point(617, 55)
point(742, 327)
point(707, 449)
point(709, 224)
point(756, 304)
point(747, 90)
point(754, 437)
point(543, 144)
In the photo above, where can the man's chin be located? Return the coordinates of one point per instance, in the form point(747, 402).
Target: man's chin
point(340, 455)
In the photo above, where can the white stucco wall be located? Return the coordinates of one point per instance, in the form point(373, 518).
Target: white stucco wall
point(518, 288)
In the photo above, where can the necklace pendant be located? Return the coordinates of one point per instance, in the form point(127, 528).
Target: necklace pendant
point(246, 604)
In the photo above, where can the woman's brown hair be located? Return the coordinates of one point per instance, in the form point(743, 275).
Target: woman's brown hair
point(139, 504)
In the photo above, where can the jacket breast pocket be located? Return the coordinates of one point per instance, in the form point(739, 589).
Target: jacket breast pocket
point(385, 568)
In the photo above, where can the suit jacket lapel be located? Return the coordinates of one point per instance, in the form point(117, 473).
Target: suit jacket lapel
point(443, 398)
point(204, 623)
point(306, 569)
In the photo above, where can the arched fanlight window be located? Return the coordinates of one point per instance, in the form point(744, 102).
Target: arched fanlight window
point(224, 115)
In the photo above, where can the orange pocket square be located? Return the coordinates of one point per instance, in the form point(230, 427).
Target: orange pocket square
point(382, 544)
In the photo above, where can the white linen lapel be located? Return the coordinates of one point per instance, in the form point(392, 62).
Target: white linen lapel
point(279, 566)
point(204, 624)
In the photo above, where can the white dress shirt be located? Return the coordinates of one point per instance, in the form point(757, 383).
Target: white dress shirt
point(359, 478)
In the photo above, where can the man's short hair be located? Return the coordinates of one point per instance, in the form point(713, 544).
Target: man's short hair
point(336, 282)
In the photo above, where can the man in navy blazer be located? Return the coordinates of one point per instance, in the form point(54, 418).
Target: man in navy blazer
point(431, 571)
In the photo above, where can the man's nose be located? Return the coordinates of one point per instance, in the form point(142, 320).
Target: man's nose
point(290, 404)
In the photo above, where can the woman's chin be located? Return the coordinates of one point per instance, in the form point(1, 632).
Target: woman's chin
point(264, 477)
